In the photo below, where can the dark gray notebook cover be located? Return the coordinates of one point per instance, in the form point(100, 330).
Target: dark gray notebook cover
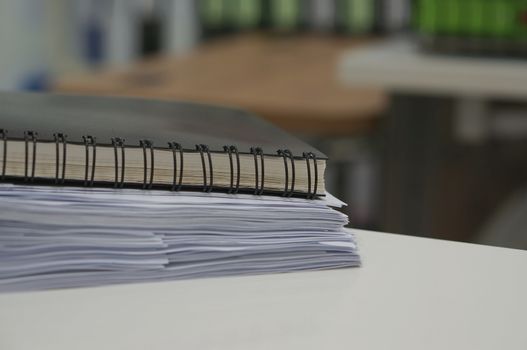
point(134, 119)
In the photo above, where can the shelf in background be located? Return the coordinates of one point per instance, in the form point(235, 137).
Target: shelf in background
point(399, 66)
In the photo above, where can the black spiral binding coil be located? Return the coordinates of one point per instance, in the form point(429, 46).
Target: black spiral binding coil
point(30, 136)
point(60, 139)
point(118, 142)
point(176, 148)
point(233, 189)
point(205, 149)
point(3, 136)
point(257, 152)
point(89, 141)
point(286, 154)
point(147, 144)
point(311, 194)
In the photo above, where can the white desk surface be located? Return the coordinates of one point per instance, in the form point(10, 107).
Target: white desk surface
point(398, 65)
point(411, 293)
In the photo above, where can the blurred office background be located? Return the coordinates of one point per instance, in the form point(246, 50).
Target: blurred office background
point(421, 105)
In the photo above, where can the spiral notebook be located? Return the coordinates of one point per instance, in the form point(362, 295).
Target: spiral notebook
point(124, 142)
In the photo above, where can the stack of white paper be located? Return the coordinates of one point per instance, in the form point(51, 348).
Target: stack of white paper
point(54, 237)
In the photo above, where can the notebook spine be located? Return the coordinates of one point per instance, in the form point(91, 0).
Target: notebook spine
point(30, 136)
point(60, 139)
point(230, 150)
point(147, 144)
point(177, 149)
point(257, 152)
point(89, 141)
point(286, 154)
point(311, 193)
point(118, 143)
point(204, 149)
point(148, 149)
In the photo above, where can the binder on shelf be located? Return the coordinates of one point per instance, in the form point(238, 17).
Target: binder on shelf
point(481, 27)
point(286, 15)
point(356, 16)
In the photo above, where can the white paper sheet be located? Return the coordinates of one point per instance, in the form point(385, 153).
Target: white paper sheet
point(53, 237)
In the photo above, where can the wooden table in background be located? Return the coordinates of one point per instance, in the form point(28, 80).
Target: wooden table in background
point(291, 81)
